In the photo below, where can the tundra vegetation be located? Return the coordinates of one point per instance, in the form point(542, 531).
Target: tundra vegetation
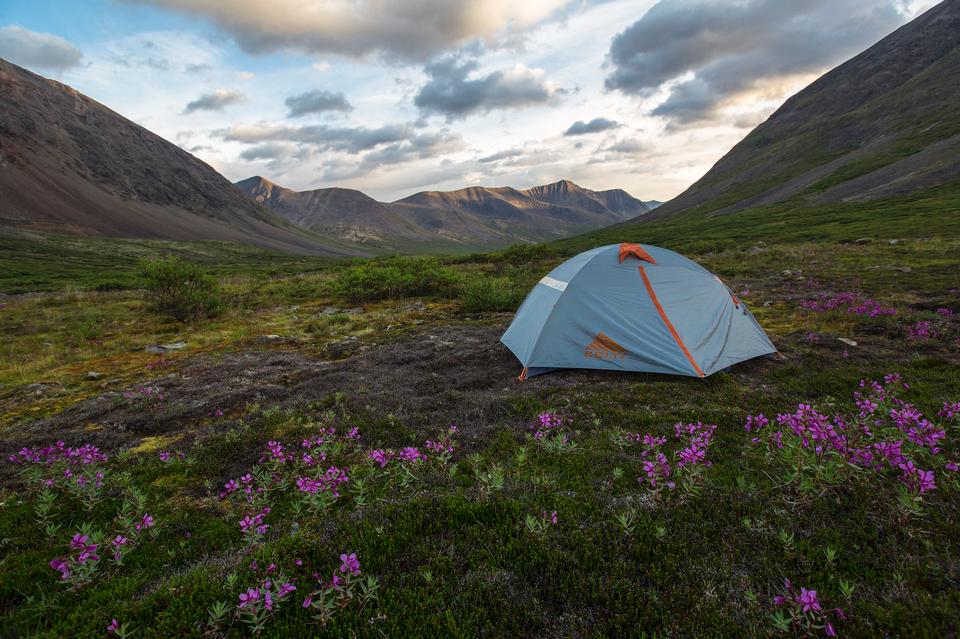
point(341, 449)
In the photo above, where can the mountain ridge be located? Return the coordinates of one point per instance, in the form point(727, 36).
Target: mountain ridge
point(69, 164)
point(490, 216)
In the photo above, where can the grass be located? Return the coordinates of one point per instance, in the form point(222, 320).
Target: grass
point(450, 548)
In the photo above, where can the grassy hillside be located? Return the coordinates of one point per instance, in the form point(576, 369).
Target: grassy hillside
point(928, 214)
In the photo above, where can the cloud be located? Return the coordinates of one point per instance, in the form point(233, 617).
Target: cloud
point(216, 101)
point(37, 50)
point(627, 147)
point(346, 139)
point(316, 102)
point(710, 52)
point(356, 150)
point(593, 126)
point(416, 30)
point(499, 156)
point(269, 151)
point(453, 93)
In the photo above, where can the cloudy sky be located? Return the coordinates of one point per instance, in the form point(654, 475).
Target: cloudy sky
point(393, 97)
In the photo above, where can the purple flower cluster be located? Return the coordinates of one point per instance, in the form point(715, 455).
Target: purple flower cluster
point(658, 472)
point(806, 611)
point(698, 438)
point(922, 330)
point(276, 452)
point(267, 593)
point(410, 454)
point(146, 397)
point(349, 564)
point(850, 302)
point(80, 565)
point(328, 482)
point(245, 485)
point(167, 456)
point(548, 425)
point(443, 446)
point(884, 433)
point(83, 455)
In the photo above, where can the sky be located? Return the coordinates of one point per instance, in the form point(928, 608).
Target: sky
point(393, 97)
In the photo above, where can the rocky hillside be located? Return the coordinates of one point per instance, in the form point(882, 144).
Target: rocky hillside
point(466, 218)
point(884, 124)
point(68, 164)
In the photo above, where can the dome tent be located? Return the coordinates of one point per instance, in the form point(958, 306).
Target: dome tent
point(633, 307)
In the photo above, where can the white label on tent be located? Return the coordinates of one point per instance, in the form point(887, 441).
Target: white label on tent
point(552, 283)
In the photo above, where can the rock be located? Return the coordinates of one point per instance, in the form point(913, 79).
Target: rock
point(94, 375)
point(267, 339)
point(343, 347)
point(39, 389)
point(160, 349)
point(847, 341)
point(768, 303)
point(893, 242)
point(294, 308)
point(355, 311)
point(329, 310)
point(863, 240)
point(417, 306)
point(902, 269)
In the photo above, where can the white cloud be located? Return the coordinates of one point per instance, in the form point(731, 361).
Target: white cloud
point(411, 30)
point(37, 51)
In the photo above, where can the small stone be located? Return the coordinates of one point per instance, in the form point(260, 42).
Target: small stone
point(863, 240)
point(417, 306)
point(355, 311)
point(847, 341)
point(94, 375)
point(768, 303)
point(270, 338)
point(902, 269)
point(156, 350)
point(893, 242)
point(329, 310)
point(174, 346)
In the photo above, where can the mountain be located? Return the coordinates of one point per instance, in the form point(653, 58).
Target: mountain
point(567, 194)
point(884, 124)
point(472, 217)
point(68, 164)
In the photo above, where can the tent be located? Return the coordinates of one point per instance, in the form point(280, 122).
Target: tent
point(633, 307)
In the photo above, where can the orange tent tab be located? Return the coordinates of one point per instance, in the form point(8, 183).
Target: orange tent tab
point(627, 249)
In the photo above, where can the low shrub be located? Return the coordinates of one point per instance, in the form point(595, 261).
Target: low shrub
point(486, 294)
point(180, 289)
point(395, 278)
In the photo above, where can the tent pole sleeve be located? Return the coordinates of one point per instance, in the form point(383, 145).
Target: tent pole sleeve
point(668, 323)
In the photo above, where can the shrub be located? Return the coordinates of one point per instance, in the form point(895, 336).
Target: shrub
point(484, 294)
point(180, 289)
point(395, 279)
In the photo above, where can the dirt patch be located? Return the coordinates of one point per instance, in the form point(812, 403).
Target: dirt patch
point(436, 376)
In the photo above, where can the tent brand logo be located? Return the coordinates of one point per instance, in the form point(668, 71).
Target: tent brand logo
point(602, 347)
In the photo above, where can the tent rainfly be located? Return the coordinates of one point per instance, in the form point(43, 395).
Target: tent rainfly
point(633, 307)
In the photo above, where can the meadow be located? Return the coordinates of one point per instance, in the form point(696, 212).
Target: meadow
point(342, 449)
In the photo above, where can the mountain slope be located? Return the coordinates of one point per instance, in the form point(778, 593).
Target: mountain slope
point(469, 218)
point(68, 164)
point(884, 124)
